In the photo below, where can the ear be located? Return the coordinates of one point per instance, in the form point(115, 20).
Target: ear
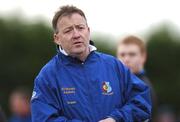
point(88, 29)
point(89, 33)
point(57, 39)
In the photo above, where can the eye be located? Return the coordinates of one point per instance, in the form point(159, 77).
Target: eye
point(122, 54)
point(67, 31)
point(80, 27)
point(132, 54)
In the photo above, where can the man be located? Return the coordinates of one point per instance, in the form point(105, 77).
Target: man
point(82, 85)
point(132, 52)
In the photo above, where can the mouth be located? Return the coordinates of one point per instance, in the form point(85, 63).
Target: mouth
point(77, 43)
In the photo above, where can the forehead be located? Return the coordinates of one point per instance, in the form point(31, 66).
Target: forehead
point(70, 20)
point(128, 48)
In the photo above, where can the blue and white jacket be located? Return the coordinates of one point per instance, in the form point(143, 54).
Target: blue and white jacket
point(69, 90)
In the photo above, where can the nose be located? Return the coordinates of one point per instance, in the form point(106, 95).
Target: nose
point(126, 60)
point(76, 33)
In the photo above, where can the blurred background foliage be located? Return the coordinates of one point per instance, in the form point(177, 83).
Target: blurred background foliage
point(163, 64)
point(26, 46)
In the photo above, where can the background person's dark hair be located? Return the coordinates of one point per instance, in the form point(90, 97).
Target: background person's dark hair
point(23, 92)
point(65, 11)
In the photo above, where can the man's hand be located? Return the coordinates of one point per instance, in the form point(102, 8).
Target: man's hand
point(108, 120)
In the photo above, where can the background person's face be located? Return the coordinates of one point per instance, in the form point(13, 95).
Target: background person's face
point(73, 34)
point(131, 56)
point(19, 105)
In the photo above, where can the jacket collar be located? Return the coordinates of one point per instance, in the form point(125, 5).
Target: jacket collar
point(60, 49)
point(66, 59)
point(141, 73)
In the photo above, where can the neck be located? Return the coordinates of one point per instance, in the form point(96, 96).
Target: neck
point(82, 56)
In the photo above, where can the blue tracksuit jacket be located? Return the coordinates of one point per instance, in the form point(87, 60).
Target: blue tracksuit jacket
point(68, 90)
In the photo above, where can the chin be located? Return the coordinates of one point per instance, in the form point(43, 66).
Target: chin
point(79, 50)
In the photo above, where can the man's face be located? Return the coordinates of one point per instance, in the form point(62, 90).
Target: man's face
point(73, 34)
point(131, 56)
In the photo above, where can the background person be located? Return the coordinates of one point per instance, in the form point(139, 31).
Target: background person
point(132, 52)
point(20, 105)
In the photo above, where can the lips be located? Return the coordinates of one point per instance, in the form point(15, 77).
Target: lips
point(76, 43)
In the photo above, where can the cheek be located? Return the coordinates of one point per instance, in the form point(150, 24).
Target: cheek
point(137, 61)
point(123, 59)
point(66, 45)
point(87, 36)
point(65, 42)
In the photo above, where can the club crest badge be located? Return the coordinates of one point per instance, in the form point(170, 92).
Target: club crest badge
point(106, 87)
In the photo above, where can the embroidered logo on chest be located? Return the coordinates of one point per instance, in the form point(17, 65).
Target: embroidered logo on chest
point(106, 88)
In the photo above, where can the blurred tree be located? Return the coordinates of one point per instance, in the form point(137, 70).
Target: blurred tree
point(163, 65)
point(24, 49)
point(104, 43)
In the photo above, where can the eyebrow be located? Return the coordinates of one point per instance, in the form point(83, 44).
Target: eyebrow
point(69, 27)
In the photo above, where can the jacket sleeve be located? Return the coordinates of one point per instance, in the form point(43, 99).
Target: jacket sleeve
point(45, 107)
point(137, 104)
